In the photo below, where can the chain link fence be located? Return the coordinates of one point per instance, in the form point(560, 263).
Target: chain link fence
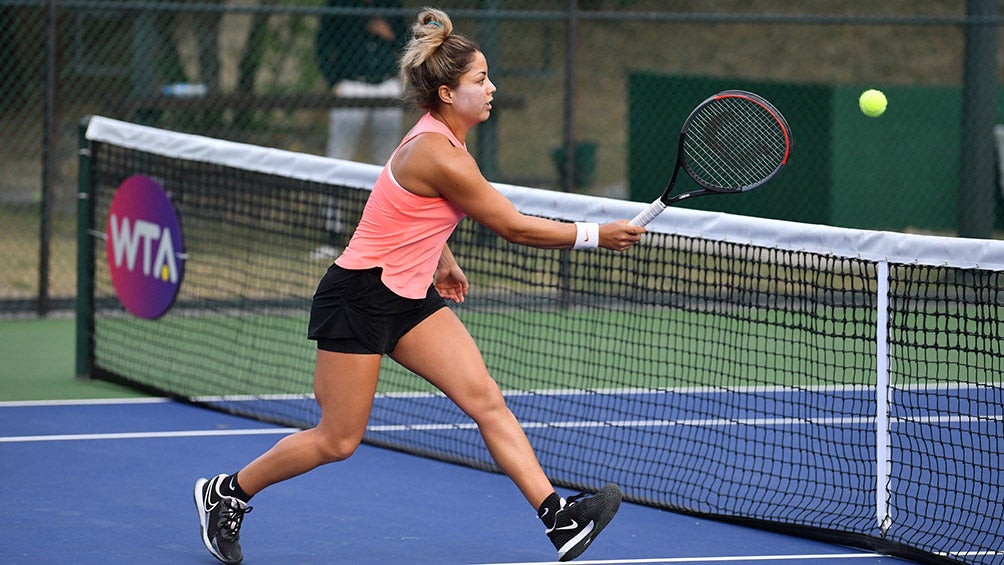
point(591, 97)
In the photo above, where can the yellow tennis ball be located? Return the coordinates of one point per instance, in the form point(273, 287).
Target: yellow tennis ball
point(872, 103)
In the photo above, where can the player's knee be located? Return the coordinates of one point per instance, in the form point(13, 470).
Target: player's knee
point(336, 448)
point(489, 405)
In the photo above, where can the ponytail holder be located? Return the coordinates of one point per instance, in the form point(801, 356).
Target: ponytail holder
point(437, 24)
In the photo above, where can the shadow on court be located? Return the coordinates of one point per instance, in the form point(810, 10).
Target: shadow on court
point(112, 483)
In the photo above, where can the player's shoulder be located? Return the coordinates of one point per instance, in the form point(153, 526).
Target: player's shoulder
point(436, 152)
point(429, 162)
point(435, 141)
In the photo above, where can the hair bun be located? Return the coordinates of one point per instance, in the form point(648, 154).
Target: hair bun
point(434, 22)
point(434, 57)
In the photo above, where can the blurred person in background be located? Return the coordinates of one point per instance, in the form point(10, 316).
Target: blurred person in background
point(357, 55)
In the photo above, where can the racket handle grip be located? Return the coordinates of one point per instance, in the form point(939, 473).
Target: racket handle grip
point(648, 214)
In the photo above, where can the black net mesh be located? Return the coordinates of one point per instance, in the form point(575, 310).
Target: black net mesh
point(706, 376)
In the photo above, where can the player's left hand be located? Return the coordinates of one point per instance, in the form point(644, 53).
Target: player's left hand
point(451, 283)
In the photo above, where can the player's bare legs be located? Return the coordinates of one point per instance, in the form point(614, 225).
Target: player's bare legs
point(344, 385)
point(441, 350)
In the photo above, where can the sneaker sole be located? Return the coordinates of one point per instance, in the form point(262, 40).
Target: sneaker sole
point(613, 491)
point(200, 506)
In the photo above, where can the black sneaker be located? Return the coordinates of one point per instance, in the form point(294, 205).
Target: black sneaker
point(581, 518)
point(220, 520)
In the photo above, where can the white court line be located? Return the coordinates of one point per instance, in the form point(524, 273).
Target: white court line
point(83, 402)
point(148, 435)
point(706, 422)
point(125, 435)
point(377, 428)
point(723, 559)
point(540, 392)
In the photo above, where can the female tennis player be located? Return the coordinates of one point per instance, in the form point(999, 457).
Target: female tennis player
point(385, 295)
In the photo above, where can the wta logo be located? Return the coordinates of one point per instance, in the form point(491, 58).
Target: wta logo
point(144, 247)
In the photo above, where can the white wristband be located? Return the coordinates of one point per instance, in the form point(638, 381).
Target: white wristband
point(587, 235)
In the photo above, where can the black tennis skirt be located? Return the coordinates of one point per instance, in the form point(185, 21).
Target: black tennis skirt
point(354, 312)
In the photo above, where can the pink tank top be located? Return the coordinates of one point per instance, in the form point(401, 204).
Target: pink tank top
point(402, 232)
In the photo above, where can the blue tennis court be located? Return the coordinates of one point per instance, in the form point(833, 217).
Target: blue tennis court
point(110, 482)
point(785, 451)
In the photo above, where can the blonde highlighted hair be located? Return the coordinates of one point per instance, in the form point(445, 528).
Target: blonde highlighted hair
point(435, 56)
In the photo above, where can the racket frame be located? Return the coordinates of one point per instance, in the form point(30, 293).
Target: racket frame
point(665, 200)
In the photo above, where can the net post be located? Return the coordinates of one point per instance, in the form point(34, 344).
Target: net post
point(85, 257)
point(883, 456)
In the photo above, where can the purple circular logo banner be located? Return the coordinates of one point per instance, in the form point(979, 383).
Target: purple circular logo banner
point(145, 248)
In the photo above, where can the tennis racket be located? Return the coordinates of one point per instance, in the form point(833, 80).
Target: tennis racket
point(732, 142)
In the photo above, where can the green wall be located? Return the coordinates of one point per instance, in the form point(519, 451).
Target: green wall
point(900, 170)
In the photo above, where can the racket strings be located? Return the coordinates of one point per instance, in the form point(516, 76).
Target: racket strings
point(734, 144)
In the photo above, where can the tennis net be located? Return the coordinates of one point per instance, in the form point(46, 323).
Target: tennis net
point(839, 384)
